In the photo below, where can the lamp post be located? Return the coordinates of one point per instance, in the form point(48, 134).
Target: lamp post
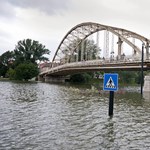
point(142, 69)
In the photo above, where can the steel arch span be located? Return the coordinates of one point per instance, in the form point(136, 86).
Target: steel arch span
point(81, 31)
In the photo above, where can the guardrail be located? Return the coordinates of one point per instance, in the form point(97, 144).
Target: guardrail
point(90, 63)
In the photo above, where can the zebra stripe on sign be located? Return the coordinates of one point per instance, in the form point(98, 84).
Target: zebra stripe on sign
point(110, 83)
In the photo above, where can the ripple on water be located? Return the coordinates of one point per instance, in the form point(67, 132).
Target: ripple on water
point(49, 116)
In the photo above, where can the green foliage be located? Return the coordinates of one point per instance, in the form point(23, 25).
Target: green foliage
point(84, 77)
point(13, 63)
point(26, 71)
point(5, 62)
point(6, 58)
point(131, 77)
point(11, 74)
point(88, 47)
point(125, 77)
point(3, 70)
point(30, 50)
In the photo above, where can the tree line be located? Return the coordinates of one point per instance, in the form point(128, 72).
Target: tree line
point(125, 77)
point(88, 50)
point(22, 62)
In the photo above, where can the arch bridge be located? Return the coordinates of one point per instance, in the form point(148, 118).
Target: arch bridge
point(94, 47)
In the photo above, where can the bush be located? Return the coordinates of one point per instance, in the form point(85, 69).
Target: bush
point(11, 74)
point(3, 70)
point(26, 71)
point(84, 77)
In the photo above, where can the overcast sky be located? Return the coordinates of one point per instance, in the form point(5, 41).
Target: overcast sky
point(49, 20)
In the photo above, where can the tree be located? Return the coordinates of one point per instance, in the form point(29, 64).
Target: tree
point(86, 50)
point(3, 70)
point(25, 56)
point(26, 71)
point(30, 50)
point(11, 74)
point(6, 58)
point(81, 77)
point(6, 61)
point(130, 77)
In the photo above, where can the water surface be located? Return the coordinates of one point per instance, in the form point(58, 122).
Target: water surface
point(41, 116)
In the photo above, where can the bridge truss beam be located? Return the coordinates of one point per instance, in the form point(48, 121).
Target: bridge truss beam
point(80, 32)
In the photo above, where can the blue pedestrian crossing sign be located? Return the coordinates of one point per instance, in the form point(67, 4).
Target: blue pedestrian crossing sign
point(110, 82)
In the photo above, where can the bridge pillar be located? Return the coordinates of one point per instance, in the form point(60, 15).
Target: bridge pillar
point(119, 47)
point(147, 51)
point(82, 51)
point(55, 79)
point(77, 55)
point(40, 78)
point(146, 88)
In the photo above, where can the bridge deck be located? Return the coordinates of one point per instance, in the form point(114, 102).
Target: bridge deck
point(95, 65)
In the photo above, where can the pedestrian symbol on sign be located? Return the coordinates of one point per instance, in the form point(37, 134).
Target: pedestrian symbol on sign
point(110, 83)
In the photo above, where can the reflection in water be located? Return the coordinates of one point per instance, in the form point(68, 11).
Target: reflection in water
point(47, 116)
point(109, 135)
point(24, 92)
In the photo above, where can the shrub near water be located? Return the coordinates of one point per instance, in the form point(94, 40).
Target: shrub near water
point(26, 71)
point(81, 78)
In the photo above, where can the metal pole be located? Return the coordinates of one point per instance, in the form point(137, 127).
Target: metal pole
point(142, 69)
point(111, 103)
point(97, 42)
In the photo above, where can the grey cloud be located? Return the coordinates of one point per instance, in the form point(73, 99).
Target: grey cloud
point(6, 9)
point(47, 6)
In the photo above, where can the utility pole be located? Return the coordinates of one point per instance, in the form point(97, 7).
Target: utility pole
point(142, 75)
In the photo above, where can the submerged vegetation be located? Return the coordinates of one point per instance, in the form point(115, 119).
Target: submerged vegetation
point(125, 77)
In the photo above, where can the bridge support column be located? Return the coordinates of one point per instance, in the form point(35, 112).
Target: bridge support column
point(97, 43)
point(119, 47)
point(77, 52)
point(40, 78)
point(82, 51)
point(146, 88)
point(55, 79)
point(147, 51)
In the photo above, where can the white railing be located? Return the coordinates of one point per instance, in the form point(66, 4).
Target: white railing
point(90, 63)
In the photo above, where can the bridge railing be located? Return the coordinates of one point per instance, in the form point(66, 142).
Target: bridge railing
point(90, 63)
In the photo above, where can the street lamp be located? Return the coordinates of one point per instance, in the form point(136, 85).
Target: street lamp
point(142, 57)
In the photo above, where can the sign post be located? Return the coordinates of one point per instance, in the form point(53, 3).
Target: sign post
point(110, 84)
point(142, 69)
point(111, 103)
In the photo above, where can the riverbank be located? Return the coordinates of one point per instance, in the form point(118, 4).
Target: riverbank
point(97, 83)
point(4, 79)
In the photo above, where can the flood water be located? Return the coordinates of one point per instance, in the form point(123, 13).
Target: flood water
point(42, 116)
